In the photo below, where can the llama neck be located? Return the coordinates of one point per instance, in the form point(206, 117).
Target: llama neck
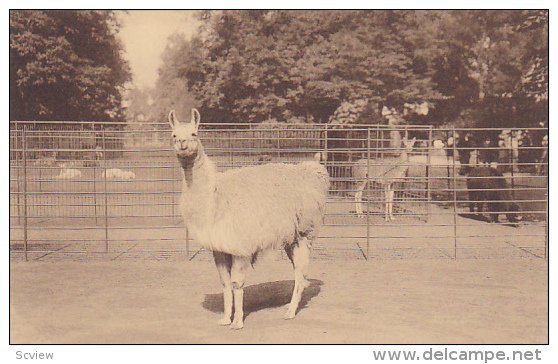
point(198, 173)
point(404, 156)
point(197, 202)
point(198, 192)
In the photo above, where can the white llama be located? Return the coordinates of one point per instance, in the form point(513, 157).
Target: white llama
point(384, 172)
point(241, 212)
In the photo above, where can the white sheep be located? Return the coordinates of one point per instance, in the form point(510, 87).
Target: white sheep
point(117, 173)
point(242, 212)
point(68, 173)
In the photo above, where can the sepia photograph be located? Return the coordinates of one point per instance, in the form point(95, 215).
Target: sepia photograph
point(279, 177)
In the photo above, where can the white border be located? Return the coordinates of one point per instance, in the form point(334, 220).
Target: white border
point(246, 353)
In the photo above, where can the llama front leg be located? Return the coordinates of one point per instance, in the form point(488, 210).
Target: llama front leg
point(358, 198)
point(299, 253)
point(391, 194)
point(238, 276)
point(223, 262)
point(386, 200)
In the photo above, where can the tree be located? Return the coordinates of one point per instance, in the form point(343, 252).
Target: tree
point(171, 89)
point(494, 67)
point(476, 67)
point(257, 65)
point(66, 65)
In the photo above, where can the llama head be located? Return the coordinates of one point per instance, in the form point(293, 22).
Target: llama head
point(407, 147)
point(408, 144)
point(185, 136)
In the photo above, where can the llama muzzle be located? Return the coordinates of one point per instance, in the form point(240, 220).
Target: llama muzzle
point(186, 148)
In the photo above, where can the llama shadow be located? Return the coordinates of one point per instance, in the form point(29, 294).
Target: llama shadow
point(479, 217)
point(265, 295)
point(474, 216)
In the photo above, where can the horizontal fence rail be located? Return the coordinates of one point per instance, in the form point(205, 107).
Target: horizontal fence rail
point(99, 189)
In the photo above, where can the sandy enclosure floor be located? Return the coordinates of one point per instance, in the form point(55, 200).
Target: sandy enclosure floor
point(349, 301)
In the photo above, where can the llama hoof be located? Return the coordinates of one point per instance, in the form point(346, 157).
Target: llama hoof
point(224, 321)
point(237, 325)
point(290, 314)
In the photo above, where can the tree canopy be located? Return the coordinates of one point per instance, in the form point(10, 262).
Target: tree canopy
point(66, 65)
point(470, 67)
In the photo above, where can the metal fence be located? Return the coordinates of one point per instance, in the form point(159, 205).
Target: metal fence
point(111, 190)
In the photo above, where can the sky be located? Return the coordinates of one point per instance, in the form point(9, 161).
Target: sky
point(145, 33)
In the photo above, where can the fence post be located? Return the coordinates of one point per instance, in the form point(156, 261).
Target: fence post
point(447, 165)
point(325, 145)
point(512, 165)
point(105, 186)
point(40, 168)
point(382, 146)
point(229, 135)
point(278, 143)
point(95, 189)
point(326, 161)
point(368, 194)
point(94, 164)
point(428, 185)
point(18, 167)
point(546, 229)
point(454, 196)
point(173, 192)
point(187, 242)
point(24, 152)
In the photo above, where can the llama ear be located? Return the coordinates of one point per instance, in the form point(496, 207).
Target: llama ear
point(196, 118)
point(172, 119)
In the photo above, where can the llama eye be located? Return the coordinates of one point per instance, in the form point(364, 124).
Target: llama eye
point(174, 135)
point(194, 134)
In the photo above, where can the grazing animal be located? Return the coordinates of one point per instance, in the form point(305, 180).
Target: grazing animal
point(384, 172)
point(68, 173)
point(486, 185)
point(117, 173)
point(242, 212)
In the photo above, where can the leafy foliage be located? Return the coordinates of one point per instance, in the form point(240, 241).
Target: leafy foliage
point(258, 65)
point(171, 90)
point(482, 68)
point(493, 66)
point(65, 65)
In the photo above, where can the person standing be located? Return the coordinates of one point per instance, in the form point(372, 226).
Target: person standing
point(464, 150)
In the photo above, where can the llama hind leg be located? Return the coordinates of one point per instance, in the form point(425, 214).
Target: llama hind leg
point(391, 194)
point(223, 262)
point(358, 199)
point(299, 253)
point(387, 204)
point(238, 276)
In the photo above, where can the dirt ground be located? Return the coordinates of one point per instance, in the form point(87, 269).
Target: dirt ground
point(349, 301)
